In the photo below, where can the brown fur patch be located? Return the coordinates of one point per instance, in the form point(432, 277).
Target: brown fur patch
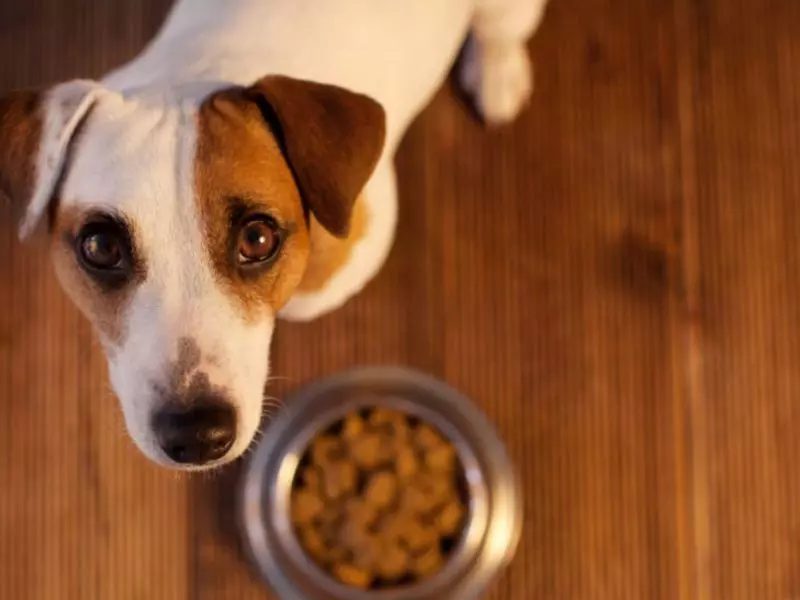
point(239, 167)
point(186, 384)
point(332, 138)
point(20, 132)
point(330, 253)
point(103, 306)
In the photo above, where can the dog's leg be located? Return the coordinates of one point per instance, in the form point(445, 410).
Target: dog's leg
point(496, 69)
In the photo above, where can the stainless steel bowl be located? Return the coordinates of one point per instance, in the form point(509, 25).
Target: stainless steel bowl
point(492, 528)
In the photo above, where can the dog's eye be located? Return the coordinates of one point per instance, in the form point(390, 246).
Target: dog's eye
point(259, 240)
point(102, 247)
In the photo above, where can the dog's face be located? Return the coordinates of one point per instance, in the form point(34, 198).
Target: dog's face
point(179, 229)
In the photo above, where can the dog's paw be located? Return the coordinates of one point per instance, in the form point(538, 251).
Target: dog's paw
point(499, 77)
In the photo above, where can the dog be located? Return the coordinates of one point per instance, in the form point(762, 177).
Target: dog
point(239, 170)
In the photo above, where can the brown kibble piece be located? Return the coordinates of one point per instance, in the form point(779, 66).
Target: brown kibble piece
point(390, 527)
point(306, 506)
point(417, 536)
point(381, 416)
point(448, 521)
point(438, 489)
point(314, 544)
point(441, 459)
point(391, 422)
point(406, 464)
point(352, 534)
point(351, 575)
point(340, 479)
point(394, 562)
point(358, 510)
point(326, 449)
point(367, 553)
point(366, 450)
point(330, 514)
point(381, 489)
point(427, 438)
point(415, 498)
point(311, 478)
point(427, 563)
point(353, 426)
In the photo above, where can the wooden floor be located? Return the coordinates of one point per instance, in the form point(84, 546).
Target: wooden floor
point(615, 279)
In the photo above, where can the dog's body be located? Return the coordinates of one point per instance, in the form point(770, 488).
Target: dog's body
point(360, 45)
point(169, 149)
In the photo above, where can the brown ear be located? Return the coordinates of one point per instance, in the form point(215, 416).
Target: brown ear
point(36, 129)
point(20, 130)
point(331, 137)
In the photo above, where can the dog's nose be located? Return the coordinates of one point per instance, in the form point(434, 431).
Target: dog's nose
point(196, 434)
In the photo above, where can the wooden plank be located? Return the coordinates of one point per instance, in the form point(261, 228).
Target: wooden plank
point(739, 105)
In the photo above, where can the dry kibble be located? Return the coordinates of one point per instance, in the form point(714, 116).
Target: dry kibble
point(340, 479)
point(406, 463)
point(375, 500)
point(418, 536)
point(426, 438)
point(367, 553)
point(365, 450)
point(352, 534)
point(330, 514)
point(306, 506)
point(448, 521)
point(428, 562)
point(360, 511)
point(328, 524)
point(441, 459)
point(314, 544)
point(334, 552)
point(394, 562)
point(437, 490)
point(381, 415)
point(415, 498)
point(352, 575)
point(353, 426)
point(390, 527)
point(325, 449)
point(381, 489)
point(311, 478)
point(390, 421)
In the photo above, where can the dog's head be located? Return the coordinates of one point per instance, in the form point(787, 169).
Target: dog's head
point(180, 228)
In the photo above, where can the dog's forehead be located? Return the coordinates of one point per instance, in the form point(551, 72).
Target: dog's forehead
point(130, 155)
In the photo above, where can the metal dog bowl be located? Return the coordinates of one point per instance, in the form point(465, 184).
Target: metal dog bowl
point(490, 533)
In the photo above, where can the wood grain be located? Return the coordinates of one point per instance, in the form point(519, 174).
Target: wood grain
point(613, 279)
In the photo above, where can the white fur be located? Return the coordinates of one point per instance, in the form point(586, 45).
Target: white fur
point(136, 154)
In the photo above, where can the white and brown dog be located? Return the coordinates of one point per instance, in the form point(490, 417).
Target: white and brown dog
point(189, 206)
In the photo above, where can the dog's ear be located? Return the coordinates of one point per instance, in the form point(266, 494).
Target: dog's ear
point(332, 139)
point(36, 128)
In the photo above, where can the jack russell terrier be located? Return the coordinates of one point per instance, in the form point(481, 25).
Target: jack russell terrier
point(238, 170)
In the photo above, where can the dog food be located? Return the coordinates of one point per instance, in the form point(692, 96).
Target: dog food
point(379, 500)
